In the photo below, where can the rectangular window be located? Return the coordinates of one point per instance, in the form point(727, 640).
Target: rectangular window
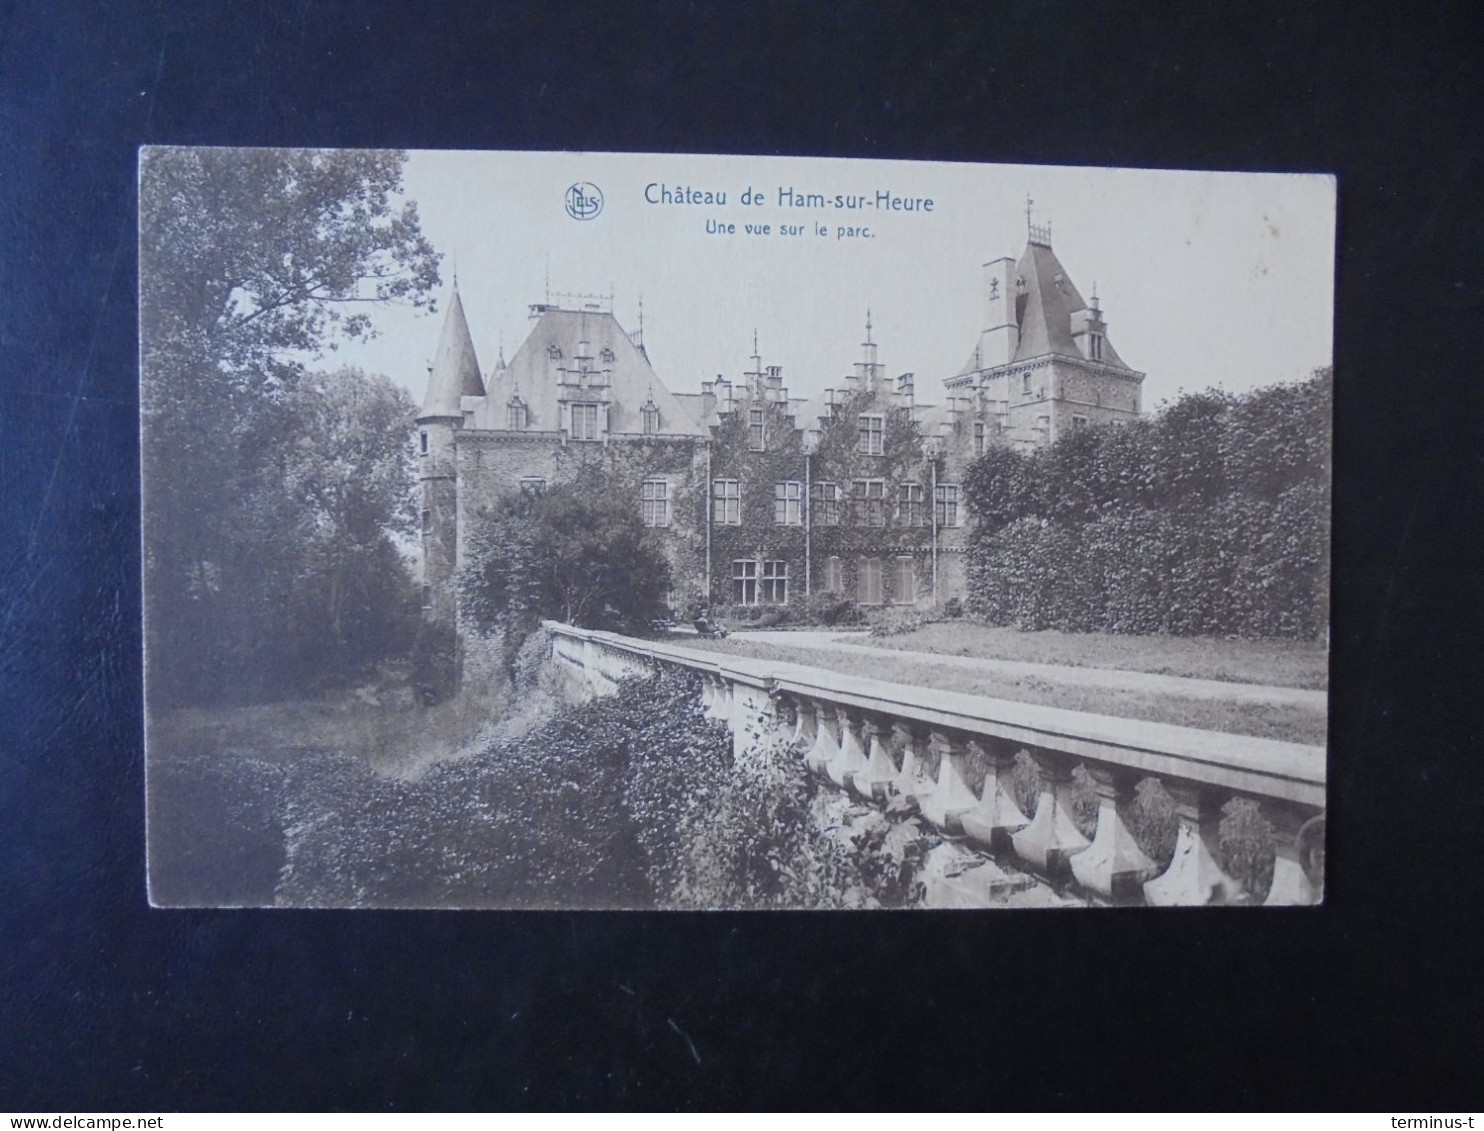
point(584, 422)
point(532, 484)
point(1043, 424)
point(744, 582)
point(427, 596)
point(905, 581)
point(427, 517)
point(788, 503)
point(1096, 342)
point(911, 510)
point(757, 430)
point(726, 502)
point(1079, 423)
point(651, 421)
point(423, 441)
point(775, 583)
point(870, 501)
point(654, 501)
point(824, 504)
point(1025, 384)
point(868, 581)
point(872, 432)
point(947, 503)
point(979, 437)
point(834, 581)
point(515, 417)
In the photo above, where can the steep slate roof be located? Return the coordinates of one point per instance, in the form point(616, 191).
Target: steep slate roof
point(693, 403)
point(1044, 309)
point(532, 375)
point(455, 372)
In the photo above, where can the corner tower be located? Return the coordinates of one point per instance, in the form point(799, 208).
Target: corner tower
point(453, 376)
point(1043, 365)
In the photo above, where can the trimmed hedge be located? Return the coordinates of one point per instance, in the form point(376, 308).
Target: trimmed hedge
point(1210, 519)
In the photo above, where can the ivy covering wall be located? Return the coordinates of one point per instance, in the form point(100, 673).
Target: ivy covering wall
point(1211, 518)
point(839, 460)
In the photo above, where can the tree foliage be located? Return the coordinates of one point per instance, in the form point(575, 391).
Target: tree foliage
point(271, 494)
point(573, 552)
point(1210, 519)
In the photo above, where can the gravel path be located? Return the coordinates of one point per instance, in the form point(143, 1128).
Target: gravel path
point(1109, 678)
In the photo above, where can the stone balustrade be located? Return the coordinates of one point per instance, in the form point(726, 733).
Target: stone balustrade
point(950, 756)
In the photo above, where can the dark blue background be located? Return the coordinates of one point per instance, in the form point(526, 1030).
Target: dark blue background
point(1372, 1001)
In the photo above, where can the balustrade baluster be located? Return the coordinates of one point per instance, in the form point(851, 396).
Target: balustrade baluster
point(1052, 838)
point(874, 782)
point(826, 747)
point(852, 756)
point(996, 817)
point(805, 724)
point(752, 719)
point(913, 780)
point(951, 796)
point(1113, 865)
point(1194, 878)
point(1297, 833)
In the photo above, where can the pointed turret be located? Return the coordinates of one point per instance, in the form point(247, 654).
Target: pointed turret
point(455, 372)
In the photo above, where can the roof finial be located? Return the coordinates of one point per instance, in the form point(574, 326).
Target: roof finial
point(1036, 233)
point(868, 326)
point(455, 270)
point(548, 278)
point(641, 321)
point(1095, 296)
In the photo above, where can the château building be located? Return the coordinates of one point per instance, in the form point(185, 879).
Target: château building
point(759, 497)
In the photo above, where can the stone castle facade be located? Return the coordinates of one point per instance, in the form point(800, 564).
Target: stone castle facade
point(759, 497)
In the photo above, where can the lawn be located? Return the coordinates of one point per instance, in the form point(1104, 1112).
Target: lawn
point(1262, 662)
point(1276, 663)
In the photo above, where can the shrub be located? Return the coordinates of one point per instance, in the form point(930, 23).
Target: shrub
point(828, 609)
point(1210, 519)
point(895, 621)
point(574, 552)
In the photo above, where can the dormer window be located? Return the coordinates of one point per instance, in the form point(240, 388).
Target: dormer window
point(607, 355)
point(554, 352)
point(650, 414)
point(757, 430)
point(515, 414)
point(1095, 346)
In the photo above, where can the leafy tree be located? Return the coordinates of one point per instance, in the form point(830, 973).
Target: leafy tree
point(254, 262)
point(249, 253)
point(573, 553)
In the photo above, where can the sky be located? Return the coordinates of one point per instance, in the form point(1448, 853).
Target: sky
point(1205, 279)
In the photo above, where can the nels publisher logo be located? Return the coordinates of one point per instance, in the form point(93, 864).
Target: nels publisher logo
point(584, 201)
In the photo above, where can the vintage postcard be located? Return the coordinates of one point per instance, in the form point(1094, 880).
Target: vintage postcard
point(572, 530)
